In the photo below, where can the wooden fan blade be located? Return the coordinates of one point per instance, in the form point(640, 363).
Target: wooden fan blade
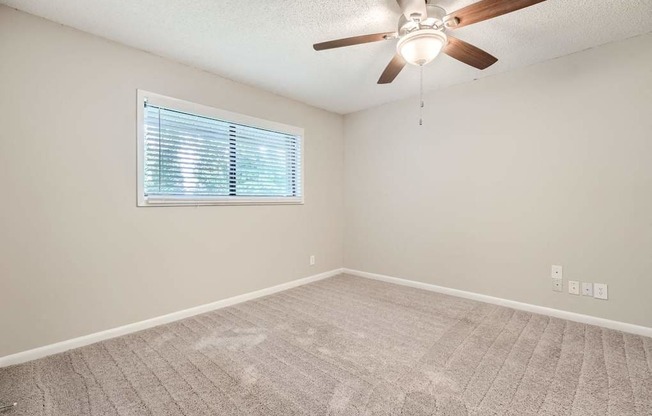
point(355, 40)
point(469, 54)
point(486, 9)
point(392, 70)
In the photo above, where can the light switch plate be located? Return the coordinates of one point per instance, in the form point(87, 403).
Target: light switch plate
point(573, 287)
point(557, 285)
point(600, 291)
point(556, 272)
point(587, 289)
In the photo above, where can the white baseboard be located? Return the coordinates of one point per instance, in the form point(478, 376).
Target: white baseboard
point(59, 347)
point(51, 349)
point(542, 310)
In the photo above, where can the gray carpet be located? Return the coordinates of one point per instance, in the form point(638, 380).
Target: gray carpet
point(347, 346)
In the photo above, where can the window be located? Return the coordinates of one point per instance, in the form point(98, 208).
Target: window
point(190, 154)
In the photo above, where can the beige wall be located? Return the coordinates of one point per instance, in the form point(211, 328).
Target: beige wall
point(78, 256)
point(551, 164)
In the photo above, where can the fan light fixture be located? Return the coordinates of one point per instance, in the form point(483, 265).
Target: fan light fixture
point(421, 46)
point(421, 35)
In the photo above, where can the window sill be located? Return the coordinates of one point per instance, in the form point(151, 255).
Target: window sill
point(194, 201)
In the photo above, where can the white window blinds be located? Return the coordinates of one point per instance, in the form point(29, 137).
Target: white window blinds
point(190, 157)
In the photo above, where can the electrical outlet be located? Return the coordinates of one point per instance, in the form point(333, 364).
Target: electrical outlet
point(573, 287)
point(587, 289)
point(556, 272)
point(600, 291)
point(312, 260)
point(556, 284)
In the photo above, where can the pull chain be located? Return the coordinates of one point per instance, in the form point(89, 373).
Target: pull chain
point(421, 104)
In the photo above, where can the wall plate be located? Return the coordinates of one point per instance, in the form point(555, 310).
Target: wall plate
point(573, 287)
point(600, 291)
point(557, 285)
point(556, 272)
point(587, 289)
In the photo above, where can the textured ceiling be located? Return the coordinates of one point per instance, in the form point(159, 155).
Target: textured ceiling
point(268, 43)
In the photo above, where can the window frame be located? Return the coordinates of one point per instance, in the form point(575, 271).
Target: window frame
point(216, 113)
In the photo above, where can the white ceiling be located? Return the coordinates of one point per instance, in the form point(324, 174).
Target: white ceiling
point(268, 43)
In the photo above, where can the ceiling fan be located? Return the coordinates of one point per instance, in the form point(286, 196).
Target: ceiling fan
point(422, 34)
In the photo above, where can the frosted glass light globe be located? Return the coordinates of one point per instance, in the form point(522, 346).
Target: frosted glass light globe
point(421, 46)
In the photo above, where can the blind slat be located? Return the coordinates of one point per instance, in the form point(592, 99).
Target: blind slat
point(192, 155)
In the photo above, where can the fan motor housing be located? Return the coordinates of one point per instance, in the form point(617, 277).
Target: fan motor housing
point(435, 20)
